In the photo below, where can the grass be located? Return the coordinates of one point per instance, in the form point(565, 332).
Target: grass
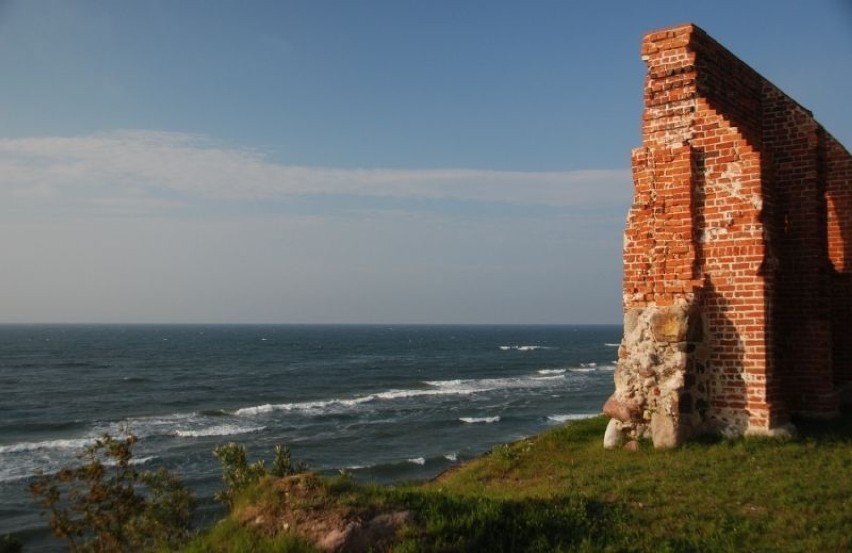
point(229, 536)
point(561, 491)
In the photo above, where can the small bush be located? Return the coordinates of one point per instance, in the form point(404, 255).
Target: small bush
point(107, 505)
point(238, 474)
point(282, 464)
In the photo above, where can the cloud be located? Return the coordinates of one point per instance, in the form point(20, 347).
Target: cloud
point(140, 170)
point(84, 239)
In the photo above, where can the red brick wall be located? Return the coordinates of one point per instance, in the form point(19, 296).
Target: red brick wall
point(742, 209)
point(838, 192)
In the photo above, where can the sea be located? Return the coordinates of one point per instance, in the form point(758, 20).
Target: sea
point(384, 403)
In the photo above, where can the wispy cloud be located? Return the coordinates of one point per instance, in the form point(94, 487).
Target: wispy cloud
point(139, 170)
point(84, 240)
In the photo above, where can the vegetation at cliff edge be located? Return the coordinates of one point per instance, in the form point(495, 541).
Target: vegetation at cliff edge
point(561, 491)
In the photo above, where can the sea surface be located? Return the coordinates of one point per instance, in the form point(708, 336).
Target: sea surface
point(386, 403)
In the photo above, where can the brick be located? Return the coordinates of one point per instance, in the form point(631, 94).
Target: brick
point(742, 207)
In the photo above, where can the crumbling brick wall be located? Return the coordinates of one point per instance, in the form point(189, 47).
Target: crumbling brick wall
point(737, 254)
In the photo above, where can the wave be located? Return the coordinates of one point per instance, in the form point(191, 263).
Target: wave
point(588, 365)
point(571, 417)
point(612, 345)
point(474, 420)
point(142, 460)
point(417, 461)
point(552, 371)
point(312, 406)
point(74, 443)
point(303, 406)
point(435, 388)
point(134, 461)
point(221, 430)
point(471, 386)
point(452, 457)
point(525, 348)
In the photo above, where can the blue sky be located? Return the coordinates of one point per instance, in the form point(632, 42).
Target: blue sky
point(346, 162)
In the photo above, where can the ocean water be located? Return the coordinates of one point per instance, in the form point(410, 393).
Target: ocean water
point(386, 403)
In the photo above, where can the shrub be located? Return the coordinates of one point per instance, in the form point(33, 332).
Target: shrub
point(238, 474)
point(107, 505)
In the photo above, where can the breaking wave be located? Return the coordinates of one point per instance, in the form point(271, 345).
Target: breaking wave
point(525, 348)
point(552, 371)
point(457, 387)
point(474, 420)
point(72, 444)
point(571, 417)
point(221, 430)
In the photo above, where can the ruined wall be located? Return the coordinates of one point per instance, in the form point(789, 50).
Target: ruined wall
point(737, 256)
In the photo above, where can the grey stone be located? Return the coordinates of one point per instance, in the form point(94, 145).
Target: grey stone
point(631, 319)
point(663, 431)
point(612, 436)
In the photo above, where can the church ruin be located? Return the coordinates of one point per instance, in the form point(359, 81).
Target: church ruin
point(737, 255)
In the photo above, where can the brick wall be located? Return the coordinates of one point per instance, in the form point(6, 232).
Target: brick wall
point(740, 239)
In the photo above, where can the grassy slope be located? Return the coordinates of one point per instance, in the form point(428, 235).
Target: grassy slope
point(562, 491)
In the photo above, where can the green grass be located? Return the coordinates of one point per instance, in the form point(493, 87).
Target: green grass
point(561, 491)
point(228, 536)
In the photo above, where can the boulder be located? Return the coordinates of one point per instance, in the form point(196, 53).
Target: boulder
point(612, 436)
point(622, 410)
point(664, 430)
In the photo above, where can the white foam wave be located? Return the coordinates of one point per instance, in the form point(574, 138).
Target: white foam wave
point(401, 394)
point(588, 365)
point(7, 475)
point(551, 371)
point(417, 461)
point(142, 460)
point(571, 417)
point(23, 460)
point(75, 444)
point(452, 457)
point(472, 386)
point(474, 420)
point(436, 388)
point(525, 348)
point(612, 345)
point(221, 430)
point(583, 370)
point(134, 461)
point(340, 402)
point(147, 426)
point(180, 425)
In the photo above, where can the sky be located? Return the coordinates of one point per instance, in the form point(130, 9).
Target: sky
point(319, 161)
